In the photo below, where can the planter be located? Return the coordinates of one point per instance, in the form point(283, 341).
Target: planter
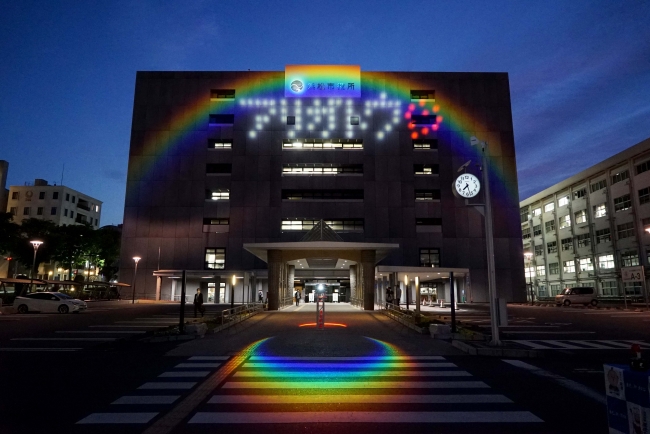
point(440, 331)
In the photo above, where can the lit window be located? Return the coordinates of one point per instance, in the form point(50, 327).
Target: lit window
point(569, 266)
point(321, 169)
point(606, 262)
point(537, 212)
point(551, 247)
point(563, 201)
point(565, 221)
point(322, 144)
point(581, 216)
point(219, 144)
point(541, 270)
point(427, 195)
point(529, 272)
point(425, 144)
point(549, 207)
point(223, 194)
point(567, 243)
point(620, 176)
point(629, 259)
point(215, 259)
point(554, 268)
point(580, 193)
point(586, 264)
point(425, 169)
point(347, 225)
point(539, 250)
point(549, 226)
point(600, 210)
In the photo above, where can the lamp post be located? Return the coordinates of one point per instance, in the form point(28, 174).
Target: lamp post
point(489, 241)
point(136, 259)
point(36, 244)
point(233, 282)
point(529, 257)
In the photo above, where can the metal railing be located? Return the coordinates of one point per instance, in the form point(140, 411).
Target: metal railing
point(239, 313)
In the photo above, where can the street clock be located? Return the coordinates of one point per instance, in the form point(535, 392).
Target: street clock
point(467, 186)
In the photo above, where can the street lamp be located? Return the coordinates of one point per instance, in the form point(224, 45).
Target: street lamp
point(36, 244)
point(233, 282)
point(529, 257)
point(136, 259)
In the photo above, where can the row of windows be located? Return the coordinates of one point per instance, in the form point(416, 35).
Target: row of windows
point(416, 95)
point(620, 203)
point(322, 144)
point(625, 230)
point(15, 195)
point(344, 225)
point(229, 119)
point(321, 169)
point(607, 288)
point(27, 211)
point(349, 194)
point(215, 258)
point(605, 262)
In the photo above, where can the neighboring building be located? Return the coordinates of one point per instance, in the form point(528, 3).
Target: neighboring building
point(229, 171)
point(4, 193)
point(57, 203)
point(583, 230)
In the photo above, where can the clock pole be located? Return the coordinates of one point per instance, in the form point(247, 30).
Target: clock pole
point(489, 240)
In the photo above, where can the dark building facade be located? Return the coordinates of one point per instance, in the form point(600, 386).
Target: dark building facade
point(220, 160)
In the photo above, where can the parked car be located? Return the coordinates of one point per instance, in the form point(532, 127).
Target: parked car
point(49, 302)
point(579, 295)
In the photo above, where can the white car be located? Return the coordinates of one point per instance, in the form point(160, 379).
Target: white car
point(49, 302)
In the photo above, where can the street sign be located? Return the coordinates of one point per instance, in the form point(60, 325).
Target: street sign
point(632, 274)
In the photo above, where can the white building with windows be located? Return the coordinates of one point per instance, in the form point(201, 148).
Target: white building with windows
point(583, 230)
point(57, 203)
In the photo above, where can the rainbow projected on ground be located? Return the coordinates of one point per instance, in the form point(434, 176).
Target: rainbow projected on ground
point(386, 108)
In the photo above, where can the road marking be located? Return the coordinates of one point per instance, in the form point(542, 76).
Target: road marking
point(362, 399)
point(355, 385)
point(128, 326)
point(66, 339)
point(207, 358)
point(40, 349)
point(354, 374)
point(180, 374)
point(363, 358)
point(155, 399)
point(154, 385)
point(100, 331)
point(198, 365)
point(565, 382)
point(367, 417)
point(117, 418)
point(379, 364)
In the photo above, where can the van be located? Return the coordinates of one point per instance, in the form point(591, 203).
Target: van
point(579, 295)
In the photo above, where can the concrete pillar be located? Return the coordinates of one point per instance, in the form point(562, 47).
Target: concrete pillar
point(368, 279)
point(291, 274)
point(275, 278)
point(417, 294)
point(353, 282)
point(158, 284)
point(173, 289)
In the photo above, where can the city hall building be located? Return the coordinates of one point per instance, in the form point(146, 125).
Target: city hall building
point(319, 176)
point(583, 230)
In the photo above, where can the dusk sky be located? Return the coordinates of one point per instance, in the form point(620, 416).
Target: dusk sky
point(579, 71)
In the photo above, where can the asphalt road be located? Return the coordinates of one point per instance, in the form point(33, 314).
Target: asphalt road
point(270, 374)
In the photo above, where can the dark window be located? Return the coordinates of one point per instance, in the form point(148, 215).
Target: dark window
point(215, 259)
point(15, 195)
point(354, 120)
point(643, 167)
point(67, 197)
point(644, 195)
point(539, 250)
point(598, 185)
point(26, 211)
point(550, 226)
point(55, 195)
point(425, 169)
point(425, 144)
point(620, 176)
point(622, 203)
point(222, 94)
point(554, 268)
point(551, 247)
point(218, 168)
point(525, 233)
point(214, 221)
point(583, 240)
point(427, 194)
point(65, 212)
point(222, 119)
point(423, 119)
point(428, 222)
point(523, 213)
point(577, 194)
point(41, 195)
point(603, 236)
point(429, 257)
point(629, 259)
point(567, 243)
point(626, 230)
point(74, 199)
point(219, 144)
point(322, 194)
point(13, 210)
point(646, 224)
point(71, 214)
point(291, 120)
point(537, 230)
point(39, 210)
point(423, 94)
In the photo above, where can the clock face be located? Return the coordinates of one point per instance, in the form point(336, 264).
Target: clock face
point(467, 185)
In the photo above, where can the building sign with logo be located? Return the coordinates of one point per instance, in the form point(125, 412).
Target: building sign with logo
point(318, 81)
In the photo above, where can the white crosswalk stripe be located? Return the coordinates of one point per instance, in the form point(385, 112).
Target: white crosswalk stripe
point(564, 344)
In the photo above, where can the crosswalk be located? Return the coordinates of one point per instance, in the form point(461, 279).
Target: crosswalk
point(297, 390)
point(550, 344)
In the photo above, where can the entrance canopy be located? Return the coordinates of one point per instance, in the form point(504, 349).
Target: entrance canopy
point(291, 251)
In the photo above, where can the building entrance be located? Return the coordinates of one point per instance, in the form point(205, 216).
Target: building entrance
point(334, 291)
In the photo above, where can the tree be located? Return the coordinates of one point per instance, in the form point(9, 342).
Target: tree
point(9, 233)
point(73, 245)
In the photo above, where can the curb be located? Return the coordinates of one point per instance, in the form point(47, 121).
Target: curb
point(496, 352)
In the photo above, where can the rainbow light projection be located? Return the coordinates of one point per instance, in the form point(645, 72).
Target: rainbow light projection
point(387, 103)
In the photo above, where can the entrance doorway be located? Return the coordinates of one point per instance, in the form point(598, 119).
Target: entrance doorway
point(335, 291)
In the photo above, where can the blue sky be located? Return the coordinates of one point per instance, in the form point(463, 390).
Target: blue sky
point(579, 70)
